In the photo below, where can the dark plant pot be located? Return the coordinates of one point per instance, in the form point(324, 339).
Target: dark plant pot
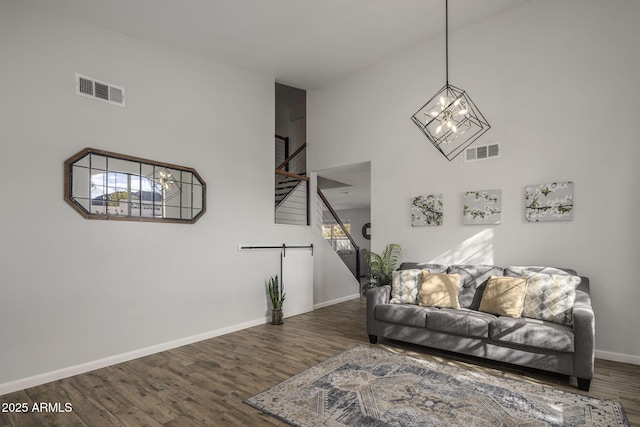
point(276, 317)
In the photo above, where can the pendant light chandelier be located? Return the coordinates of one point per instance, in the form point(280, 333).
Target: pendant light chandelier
point(450, 120)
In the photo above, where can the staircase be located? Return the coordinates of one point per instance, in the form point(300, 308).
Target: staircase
point(285, 186)
point(345, 246)
point(291, 196)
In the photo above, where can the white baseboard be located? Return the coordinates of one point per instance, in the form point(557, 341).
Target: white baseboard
point(295, 313)
point(70, 371)
point(617, 357)
point(335, 301)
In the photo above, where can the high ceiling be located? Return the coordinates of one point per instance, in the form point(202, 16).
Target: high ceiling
point(301, 43)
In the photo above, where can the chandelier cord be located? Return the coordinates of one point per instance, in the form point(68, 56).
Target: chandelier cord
point(446, 39)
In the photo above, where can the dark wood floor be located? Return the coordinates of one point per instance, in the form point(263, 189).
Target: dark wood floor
point(205, 383)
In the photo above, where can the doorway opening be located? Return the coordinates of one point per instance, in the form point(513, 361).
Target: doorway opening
point(291, 178)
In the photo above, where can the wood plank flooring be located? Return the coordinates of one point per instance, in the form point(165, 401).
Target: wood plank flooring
point(204, 384)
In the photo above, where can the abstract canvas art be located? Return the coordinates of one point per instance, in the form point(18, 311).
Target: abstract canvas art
point(549, 202)
point(426, 210)
point(482, 207)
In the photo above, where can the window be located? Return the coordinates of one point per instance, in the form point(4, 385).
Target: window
point(336, 237)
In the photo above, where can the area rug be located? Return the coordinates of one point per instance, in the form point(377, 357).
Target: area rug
point(364, 386)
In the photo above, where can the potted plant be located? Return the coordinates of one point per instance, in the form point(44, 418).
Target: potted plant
point(277, 296)
point(381, 266)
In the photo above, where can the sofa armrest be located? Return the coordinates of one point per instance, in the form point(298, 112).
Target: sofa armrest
point(584, 329)
point(375, 296)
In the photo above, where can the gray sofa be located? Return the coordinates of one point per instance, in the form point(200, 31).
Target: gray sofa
point(539, 344)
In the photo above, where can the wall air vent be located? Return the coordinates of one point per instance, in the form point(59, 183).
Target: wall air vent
point(482, 152)
point(92, 88)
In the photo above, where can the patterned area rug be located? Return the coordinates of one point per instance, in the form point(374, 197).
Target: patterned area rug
point(363, 386)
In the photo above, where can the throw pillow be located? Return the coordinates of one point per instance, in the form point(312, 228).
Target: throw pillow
point(404, 286)
point(504, 296)
point(439, 290)
point(550, 297)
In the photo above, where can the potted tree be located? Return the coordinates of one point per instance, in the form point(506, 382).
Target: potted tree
point(277, 296)
point(381, 266)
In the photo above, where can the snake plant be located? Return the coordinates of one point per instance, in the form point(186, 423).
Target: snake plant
point(276, 293)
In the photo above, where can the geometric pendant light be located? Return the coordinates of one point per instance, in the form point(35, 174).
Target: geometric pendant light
point(450, 119)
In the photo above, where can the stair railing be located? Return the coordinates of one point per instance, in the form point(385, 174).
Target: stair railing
point(288, 160)
point(338, 221)
point(291, 207)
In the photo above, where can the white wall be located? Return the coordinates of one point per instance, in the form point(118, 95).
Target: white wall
point(77, 293)
point(557, 80)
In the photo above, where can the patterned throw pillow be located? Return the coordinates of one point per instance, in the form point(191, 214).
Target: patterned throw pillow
point(439, 290)
point(504, 296)
point(550, 297)
point(404, 286)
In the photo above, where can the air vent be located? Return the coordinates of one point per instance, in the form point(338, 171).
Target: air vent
point(482, 152)
point(92, 88)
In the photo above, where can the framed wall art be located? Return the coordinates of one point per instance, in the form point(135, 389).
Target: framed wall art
point(426, 210)
point(549, 202)
point(482, 207)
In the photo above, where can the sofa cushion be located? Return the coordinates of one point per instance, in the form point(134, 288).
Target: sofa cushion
point(504, 296)
point(403, 314)
point(550, 297)
point(434, 268)
point(518, 271)
point(533, 333)
point(474, 279)
point(460, 322)
point(439, 290)
point(404, 286)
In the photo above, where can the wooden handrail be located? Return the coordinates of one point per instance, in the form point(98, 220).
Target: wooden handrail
point(288, 159)
point(292, 175)
point(337, 218)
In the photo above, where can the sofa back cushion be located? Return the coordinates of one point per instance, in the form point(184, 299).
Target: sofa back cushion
point(433, 268)
point(473, 282)
point(519, 270)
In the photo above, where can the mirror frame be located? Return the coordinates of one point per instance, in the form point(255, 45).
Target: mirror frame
point(69, 197)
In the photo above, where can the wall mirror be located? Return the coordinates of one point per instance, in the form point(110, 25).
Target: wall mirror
point(104, 185)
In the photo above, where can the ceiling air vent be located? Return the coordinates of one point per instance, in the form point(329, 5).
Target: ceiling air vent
point(482, 152)
point(92, 88)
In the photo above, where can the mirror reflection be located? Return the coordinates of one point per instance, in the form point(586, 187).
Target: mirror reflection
point(104, 185)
